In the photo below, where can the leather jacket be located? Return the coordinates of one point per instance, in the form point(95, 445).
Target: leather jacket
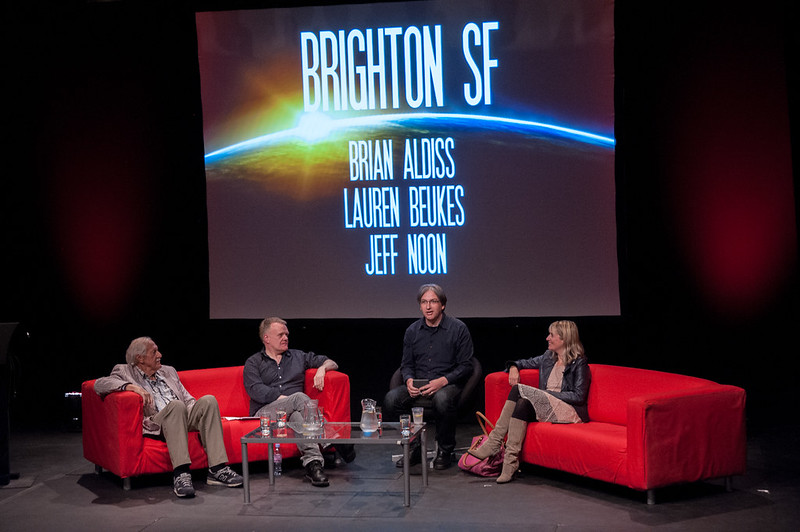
point(574, 387)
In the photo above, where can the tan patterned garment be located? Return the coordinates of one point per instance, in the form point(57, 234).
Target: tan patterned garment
point(548, 408)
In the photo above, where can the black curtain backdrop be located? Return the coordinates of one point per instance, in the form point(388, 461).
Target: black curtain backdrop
point(103, 216)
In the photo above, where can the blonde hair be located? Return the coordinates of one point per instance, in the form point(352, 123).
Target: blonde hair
point(568, 332)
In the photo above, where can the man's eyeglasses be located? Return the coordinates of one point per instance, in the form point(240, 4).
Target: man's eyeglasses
point(429, 302)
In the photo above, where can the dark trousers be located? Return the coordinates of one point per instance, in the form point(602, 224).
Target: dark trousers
point(443, 404)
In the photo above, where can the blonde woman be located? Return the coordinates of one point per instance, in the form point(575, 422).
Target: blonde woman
point(564, 380)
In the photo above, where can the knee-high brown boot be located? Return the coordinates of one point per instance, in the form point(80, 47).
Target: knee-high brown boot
point(491, 446)
point(516, 435)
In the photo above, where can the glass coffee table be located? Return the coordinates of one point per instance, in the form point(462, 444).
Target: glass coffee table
point(337, 432)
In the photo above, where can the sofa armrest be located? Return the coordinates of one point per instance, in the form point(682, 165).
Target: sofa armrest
point(335, 395)
point(112, 429)
point(686, 436)
point(497, 388)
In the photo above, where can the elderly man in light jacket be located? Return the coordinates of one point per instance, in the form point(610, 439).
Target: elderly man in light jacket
point(170, 412)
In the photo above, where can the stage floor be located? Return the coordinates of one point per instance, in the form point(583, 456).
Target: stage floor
point(59, 490)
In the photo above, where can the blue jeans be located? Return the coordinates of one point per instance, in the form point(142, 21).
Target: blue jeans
point(443, 404)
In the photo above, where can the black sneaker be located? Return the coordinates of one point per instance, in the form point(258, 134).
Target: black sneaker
point(315, 474)
point(225, 477)
point(182, 485)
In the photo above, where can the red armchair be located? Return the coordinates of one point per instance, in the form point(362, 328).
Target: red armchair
point(112, 426)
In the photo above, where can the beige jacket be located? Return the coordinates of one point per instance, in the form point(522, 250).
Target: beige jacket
point(123, 374)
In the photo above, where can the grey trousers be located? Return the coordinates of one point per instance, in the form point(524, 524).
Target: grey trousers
point(176, 421)
point(293, 406)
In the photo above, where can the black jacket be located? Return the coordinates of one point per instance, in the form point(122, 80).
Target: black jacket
point(574, 387)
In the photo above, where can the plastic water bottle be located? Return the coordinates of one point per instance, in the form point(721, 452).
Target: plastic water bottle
point(277, 460)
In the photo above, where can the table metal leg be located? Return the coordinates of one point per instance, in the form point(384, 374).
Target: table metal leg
point(406, 474)
point(424, 446)
point(245, 474)
point(271, 463)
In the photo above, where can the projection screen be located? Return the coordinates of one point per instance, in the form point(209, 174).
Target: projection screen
point(355, 152)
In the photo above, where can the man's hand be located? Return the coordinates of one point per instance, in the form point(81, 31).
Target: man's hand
point(433, 386)
point(412, 391)
point(319, 378)
point(513, 375)
point(147, 398)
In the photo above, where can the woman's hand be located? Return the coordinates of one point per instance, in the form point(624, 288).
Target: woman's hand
point(513, 376)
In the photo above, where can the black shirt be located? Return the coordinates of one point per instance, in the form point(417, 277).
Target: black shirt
point(433, 352)
point(265, 380)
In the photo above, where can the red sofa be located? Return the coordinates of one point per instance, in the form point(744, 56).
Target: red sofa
point(647, 429)
point(112, 426)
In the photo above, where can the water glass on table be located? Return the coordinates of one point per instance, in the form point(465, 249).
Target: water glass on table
point(280, 417)
point(417, 413)
point(405, 425)
point(265, 423)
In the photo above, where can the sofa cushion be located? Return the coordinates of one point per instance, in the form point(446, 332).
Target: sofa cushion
point(596, 450)
point(226, 384)
point(613, 386)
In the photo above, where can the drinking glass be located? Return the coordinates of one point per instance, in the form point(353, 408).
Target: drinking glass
point(265, 422)
point(311, 415)
point(405, 424)
point(417, 412)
